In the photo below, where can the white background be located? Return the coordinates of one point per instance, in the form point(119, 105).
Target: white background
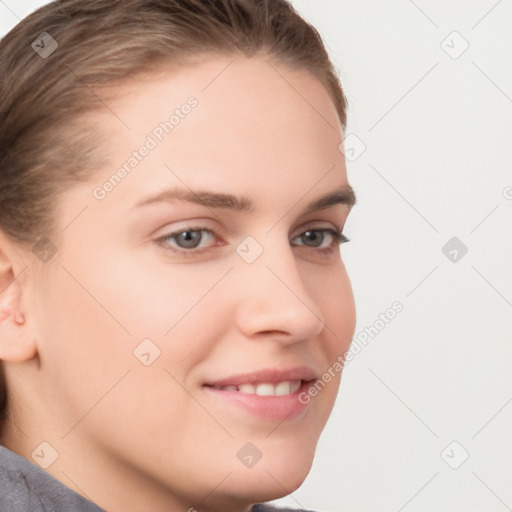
point(437, 164)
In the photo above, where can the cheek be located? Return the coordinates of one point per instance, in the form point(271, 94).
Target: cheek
point(101, 314)
point(82, 347)
point(333, 293)
point(98, 329)
point(149, 294)
point(336, 302)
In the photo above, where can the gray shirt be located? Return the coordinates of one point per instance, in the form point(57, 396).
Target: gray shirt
point(25, 487)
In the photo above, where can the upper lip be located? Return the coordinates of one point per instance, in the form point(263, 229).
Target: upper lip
point(270, 375)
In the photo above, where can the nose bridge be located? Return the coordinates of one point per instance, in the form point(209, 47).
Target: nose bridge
point(274, 296)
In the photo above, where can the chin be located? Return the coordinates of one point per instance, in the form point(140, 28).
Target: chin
point(278, 473)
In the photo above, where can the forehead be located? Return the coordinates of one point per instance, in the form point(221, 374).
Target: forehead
point(245, 80)
point(253, 122)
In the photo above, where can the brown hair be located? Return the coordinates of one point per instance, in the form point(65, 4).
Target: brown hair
point(44, 146)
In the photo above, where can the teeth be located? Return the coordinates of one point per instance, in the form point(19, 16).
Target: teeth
point(283, 388)
point(295, 385)
point(266, 388)
point(247, 389)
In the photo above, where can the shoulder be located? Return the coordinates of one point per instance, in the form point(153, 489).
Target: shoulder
point(25, 487)
point(14, 492)
point(273, 508)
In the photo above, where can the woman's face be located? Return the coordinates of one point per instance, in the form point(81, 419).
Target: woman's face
point(135, 326)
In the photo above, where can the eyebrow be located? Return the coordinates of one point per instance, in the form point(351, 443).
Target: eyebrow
point(344, 195)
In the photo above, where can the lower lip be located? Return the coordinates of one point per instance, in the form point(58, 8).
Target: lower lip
point(274, 408)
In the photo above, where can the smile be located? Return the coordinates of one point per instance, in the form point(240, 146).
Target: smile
point(283, 388)
point(269, 394)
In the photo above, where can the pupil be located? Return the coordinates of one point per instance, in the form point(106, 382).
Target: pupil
point(315, 237)
point(190, 238)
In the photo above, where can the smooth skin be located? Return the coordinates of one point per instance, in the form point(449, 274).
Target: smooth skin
point(132, 437)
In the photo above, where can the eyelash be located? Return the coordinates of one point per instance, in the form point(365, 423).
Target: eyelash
point(338, 239)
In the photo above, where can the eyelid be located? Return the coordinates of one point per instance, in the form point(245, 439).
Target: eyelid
point(336, 233)
point(189, 225)
point(314, 225)
point(161, 240)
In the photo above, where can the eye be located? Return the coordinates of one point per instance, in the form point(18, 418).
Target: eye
point(194, 240)
point(188, 240)
point(318, 237)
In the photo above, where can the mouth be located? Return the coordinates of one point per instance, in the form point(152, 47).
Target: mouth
point(268, 394)
point(283, 388)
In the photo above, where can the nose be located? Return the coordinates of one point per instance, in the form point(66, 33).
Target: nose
point(273, 300)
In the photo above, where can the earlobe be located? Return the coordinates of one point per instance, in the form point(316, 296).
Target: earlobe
point(16, 342)
point(17, 316)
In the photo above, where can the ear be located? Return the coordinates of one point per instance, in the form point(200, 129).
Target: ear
point(16, 342)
